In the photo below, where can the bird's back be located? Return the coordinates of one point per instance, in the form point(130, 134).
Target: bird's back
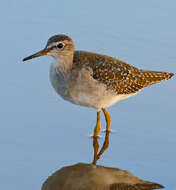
point(117, 75)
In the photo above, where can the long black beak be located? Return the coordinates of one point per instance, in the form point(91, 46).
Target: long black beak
point(40, 53)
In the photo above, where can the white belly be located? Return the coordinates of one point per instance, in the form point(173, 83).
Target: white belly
point(82, 89)
point(99, 101)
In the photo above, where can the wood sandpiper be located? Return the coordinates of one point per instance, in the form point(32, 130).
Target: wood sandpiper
point(94, 80)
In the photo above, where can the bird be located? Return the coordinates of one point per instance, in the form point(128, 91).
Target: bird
point(83, 176)
point(94, 80)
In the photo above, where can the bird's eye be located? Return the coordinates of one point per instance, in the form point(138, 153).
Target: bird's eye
point(60, 45)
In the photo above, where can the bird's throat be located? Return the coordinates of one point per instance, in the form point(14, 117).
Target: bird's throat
point(64, 64)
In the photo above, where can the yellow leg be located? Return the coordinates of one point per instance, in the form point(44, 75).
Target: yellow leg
point(96, 147)
point(103, 148)
point(108, 119)
point(97, 127)
point(105, 145)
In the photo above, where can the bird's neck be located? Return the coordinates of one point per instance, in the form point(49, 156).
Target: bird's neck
point(64, 64)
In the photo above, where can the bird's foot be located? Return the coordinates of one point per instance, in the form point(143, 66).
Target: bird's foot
point(93, 136)
point(110, 131)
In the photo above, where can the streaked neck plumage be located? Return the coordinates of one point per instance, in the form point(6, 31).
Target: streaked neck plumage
point(64, 63)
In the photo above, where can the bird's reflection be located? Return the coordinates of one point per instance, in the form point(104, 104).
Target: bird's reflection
point(83, 176)
point(96, 147)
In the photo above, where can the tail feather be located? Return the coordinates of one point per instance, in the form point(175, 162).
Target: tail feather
point(152, 77)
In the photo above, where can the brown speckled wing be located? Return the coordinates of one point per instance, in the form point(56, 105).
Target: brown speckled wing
point(117, 75)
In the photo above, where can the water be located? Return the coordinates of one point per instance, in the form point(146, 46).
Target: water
point(41, 133)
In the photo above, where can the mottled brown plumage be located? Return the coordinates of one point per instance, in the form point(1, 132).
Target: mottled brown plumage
point(116, 74)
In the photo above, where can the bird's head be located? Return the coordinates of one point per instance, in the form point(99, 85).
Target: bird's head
point(58, 46)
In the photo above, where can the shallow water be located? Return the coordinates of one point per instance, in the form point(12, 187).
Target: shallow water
point(39, 132)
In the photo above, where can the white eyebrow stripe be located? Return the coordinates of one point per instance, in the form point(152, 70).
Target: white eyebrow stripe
point(52, 45)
